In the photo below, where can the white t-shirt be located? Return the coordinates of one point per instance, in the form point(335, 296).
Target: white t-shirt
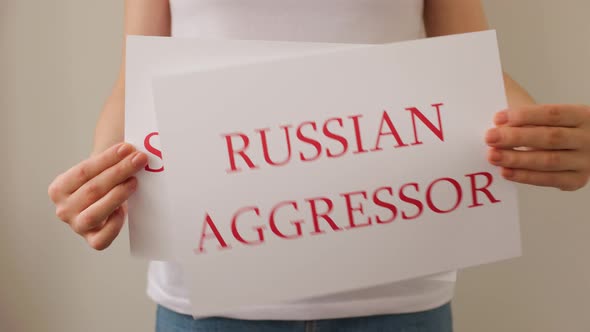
point(338, 21)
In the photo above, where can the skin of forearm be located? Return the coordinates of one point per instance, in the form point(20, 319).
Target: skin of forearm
point(110, 127)
point(517, 96)
point(142, 17)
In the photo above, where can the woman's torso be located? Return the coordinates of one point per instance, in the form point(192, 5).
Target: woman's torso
point(334, 21)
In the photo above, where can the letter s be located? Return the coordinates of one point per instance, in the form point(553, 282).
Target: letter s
point(151, 149)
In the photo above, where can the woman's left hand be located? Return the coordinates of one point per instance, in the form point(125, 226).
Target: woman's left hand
point(556, 140)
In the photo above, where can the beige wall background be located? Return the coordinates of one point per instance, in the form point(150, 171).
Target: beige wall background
point(58, 60)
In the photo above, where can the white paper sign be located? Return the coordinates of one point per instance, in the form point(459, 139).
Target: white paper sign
point(386, 178)
point(151, 230)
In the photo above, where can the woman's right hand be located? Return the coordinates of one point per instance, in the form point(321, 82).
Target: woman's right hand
point(91, 196)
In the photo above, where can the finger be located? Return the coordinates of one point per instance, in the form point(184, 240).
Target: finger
point(75, 177)
point(546, 138)
point(554, 160)
point(544, 115)
point(103, 237)
point(101, 184)
point(96, 213)
point(568, 180)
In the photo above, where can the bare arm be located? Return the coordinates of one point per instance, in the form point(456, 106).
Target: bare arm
point(558, 135)
point(447, 17)
point(142, 17)
point(91, 196)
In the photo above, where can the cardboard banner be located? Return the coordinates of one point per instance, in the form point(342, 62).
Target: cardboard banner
point(365, 166)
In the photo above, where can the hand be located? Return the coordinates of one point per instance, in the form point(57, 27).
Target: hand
point(556, 139)
point(91, 196)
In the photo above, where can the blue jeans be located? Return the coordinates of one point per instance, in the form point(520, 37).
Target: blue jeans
point(436, 320)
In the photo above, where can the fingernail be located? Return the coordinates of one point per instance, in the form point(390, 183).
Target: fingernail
point(124, 150)
point(501, 118)
point(493, 136)
point(138, 160)
point(496, 156)
point(508, 173)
